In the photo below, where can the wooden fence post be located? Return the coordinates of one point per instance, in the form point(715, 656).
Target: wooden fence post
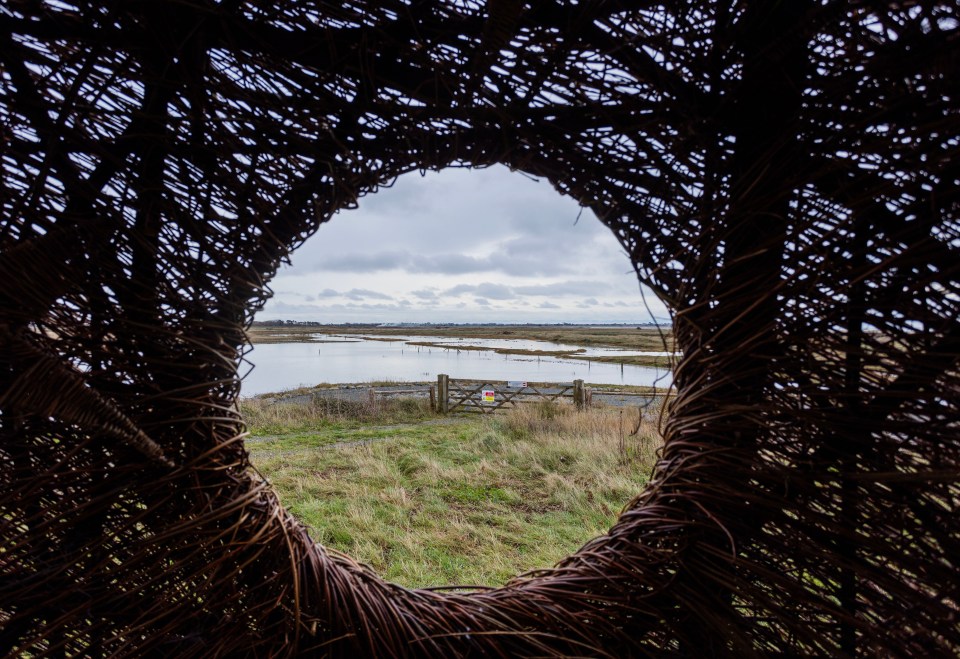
point(443, 393)
point(579, 394)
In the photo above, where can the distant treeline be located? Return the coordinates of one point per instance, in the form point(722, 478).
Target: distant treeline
point(310, 323)
point(314, 323)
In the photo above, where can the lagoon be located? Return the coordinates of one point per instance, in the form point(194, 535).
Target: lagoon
point(346, 358)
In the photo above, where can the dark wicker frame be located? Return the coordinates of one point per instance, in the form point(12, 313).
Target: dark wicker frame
point(783, 174)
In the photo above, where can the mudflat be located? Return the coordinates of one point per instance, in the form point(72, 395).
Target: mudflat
point(640, 338)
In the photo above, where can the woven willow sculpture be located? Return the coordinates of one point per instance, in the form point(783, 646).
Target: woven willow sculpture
point(784, 175)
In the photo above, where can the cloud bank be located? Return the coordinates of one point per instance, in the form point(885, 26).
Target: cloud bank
point(462, 246)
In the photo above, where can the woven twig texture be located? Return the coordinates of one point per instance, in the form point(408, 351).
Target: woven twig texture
point(783, 174)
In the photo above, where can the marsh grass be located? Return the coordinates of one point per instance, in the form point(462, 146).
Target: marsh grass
point(471, 501)
point(265, 416)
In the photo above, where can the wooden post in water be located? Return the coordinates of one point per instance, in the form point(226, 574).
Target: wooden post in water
point(443, 393)
point(579, 394)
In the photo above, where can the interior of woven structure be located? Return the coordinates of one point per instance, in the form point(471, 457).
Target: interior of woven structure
point(784, 175)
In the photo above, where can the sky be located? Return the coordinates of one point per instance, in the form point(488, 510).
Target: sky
point(462, 246)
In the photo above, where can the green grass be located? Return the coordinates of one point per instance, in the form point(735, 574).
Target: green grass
point(471, 501)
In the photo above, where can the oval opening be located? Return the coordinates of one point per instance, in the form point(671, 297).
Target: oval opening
point(506, 287)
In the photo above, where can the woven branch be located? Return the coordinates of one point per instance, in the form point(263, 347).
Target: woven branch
point(784, 175)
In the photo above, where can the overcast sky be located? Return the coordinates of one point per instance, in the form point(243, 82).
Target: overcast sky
point(461, 246)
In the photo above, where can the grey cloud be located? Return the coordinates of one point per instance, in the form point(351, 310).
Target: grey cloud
point(282, 294)
point(495, 291)
point(364, 262)
point(533, 256)
point(522, 257)
point(535, 245)
point(460, 289)
point(353, 294)
point(443, 263)
point(278, 308)
point(449, 264)
point(486, 290)
point(424, 294)
point(482, 302)
point(539, 260)
point(380, 306)
point(571, 288)
point(363, 293)
point(563, 288)
point(549, 305)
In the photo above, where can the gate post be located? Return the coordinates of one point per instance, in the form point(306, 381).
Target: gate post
point(579, 394)
point(443, 393)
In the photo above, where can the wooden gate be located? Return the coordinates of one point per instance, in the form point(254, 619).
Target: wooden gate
point(487, 396)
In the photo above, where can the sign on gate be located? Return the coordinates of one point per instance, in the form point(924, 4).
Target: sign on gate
point(488, 395)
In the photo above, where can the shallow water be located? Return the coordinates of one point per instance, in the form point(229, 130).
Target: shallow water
point(511, 344)
point(280, 366)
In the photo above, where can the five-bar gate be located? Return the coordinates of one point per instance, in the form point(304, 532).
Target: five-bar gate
point(486, 396)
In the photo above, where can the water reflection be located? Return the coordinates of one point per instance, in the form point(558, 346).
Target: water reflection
point(336, 359)
point(503, 344)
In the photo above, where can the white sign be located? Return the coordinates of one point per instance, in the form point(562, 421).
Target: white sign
point(517, 385)
point(488, 395)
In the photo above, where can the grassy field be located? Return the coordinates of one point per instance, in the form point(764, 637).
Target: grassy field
point(429, 500)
